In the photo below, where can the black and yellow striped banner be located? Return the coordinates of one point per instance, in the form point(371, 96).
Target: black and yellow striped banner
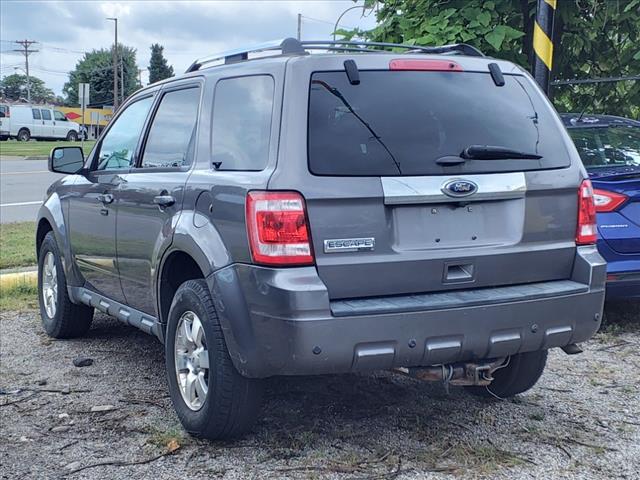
point(543, 43)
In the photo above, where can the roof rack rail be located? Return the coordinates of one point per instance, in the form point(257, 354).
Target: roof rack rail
point(292, 46)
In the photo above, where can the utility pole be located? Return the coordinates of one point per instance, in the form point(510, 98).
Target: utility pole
point(26, 52)
point(299, 26)
point(115, 66)
point(543, 42)
point(122, 77)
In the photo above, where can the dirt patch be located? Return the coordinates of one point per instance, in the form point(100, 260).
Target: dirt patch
point(581, 420)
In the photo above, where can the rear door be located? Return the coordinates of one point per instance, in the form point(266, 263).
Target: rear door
point(48, 129)
point(394, 209)
point(150, 196)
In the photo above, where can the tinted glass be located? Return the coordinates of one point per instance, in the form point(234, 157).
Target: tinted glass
point(242, 122)
point(46, 114)
point(401, 122)
point(119, 144)
point(59, 116)
point(36, 114)
point(3, 111)
point(608, 146)
point(172, 135)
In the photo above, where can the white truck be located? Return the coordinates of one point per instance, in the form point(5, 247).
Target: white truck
point(24, 122)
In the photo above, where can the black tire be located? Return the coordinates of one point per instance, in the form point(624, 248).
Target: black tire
point(72, 136)
point(233, 402)
point(24, 135)
point(69, 320)
point(522, 373)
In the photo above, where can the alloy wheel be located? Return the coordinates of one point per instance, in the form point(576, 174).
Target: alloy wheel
point(191, 360)
point(50, 285)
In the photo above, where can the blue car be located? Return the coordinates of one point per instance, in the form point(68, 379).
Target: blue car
point(610, 150)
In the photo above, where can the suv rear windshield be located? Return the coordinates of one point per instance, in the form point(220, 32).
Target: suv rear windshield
point(401, 122)
point(607, 146)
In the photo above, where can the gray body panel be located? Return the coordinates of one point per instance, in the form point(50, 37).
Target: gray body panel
point(280, 321)
point(495, 275)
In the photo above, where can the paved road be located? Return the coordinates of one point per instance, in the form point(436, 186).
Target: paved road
point(22, 187)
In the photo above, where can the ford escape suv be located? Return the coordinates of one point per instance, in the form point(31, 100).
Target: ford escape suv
point(343, 211)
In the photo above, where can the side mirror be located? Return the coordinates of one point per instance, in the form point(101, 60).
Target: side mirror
point(69, 160)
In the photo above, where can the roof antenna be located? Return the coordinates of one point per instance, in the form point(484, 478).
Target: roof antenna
point(496, 74)
point(352, 72)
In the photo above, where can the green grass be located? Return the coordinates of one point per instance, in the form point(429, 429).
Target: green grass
point(19, 297)
point(17, 245)
point(34, 148)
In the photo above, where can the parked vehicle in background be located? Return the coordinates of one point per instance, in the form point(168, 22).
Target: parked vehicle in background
point(423, 211)
point(24, 122)
point(4, 122)
point(610, 150)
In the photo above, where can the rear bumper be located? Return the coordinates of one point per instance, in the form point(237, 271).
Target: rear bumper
point(623, 273)
point(623, 285)
point(281, 321)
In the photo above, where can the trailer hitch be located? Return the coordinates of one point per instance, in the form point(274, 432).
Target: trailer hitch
point(467, 374)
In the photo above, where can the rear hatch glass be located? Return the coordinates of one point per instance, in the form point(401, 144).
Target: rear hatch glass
point(401, 122)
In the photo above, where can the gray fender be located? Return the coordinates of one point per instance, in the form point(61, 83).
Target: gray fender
point(51, 211)
point(202, 243)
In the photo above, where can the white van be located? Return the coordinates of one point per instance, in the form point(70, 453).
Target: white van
point(24, 122)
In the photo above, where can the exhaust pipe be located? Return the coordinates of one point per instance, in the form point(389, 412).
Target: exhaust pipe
point(467, 374)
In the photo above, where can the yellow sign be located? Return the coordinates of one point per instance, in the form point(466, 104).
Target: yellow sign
point(92, 116)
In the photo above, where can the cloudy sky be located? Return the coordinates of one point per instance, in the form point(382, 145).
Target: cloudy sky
point(187, 29)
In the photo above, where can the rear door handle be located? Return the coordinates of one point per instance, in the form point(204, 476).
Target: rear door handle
point(164, 200)
point(105, 198)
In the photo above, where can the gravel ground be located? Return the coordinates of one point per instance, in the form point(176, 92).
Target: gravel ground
point(582, 420)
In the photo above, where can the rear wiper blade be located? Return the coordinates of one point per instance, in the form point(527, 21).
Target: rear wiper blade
point(488, 152)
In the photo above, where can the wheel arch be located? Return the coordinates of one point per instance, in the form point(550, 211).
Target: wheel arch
point(51, 219)
point(177, 267)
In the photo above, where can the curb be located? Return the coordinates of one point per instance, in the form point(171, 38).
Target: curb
point(12, 280)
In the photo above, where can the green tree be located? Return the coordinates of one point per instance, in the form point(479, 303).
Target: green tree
point(158, 67)
point(96, 69)
point(15, 87)
point(592, 38)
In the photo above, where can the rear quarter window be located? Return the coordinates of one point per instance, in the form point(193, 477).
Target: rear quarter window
point(400, 122)
point(242, 113)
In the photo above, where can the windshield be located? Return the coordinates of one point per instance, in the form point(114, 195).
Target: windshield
point(607, 146)
point(405, 123)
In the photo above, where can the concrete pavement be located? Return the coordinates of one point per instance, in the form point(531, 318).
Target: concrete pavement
point(23, 184)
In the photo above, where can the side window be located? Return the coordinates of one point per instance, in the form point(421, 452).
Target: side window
point(3, 111)
point(242, 111)
point(119, 143)
point(36, 114)
point(46, 114)
point(59, 116)
point(171, 139)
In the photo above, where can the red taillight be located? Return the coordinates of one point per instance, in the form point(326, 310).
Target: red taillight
point(277, 228)
point(587, 228)
point(607, 201)
point(425, 65)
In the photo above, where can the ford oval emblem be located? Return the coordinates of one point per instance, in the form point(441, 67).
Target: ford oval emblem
point(459, 188)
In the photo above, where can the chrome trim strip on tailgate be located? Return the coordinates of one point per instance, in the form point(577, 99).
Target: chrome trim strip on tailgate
point(429, 189)
point(455, 298)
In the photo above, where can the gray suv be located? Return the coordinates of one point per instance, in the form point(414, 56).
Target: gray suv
point(343, 211)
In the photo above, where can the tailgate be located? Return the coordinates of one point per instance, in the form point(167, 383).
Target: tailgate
point(395, 203)
point(405, 236)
